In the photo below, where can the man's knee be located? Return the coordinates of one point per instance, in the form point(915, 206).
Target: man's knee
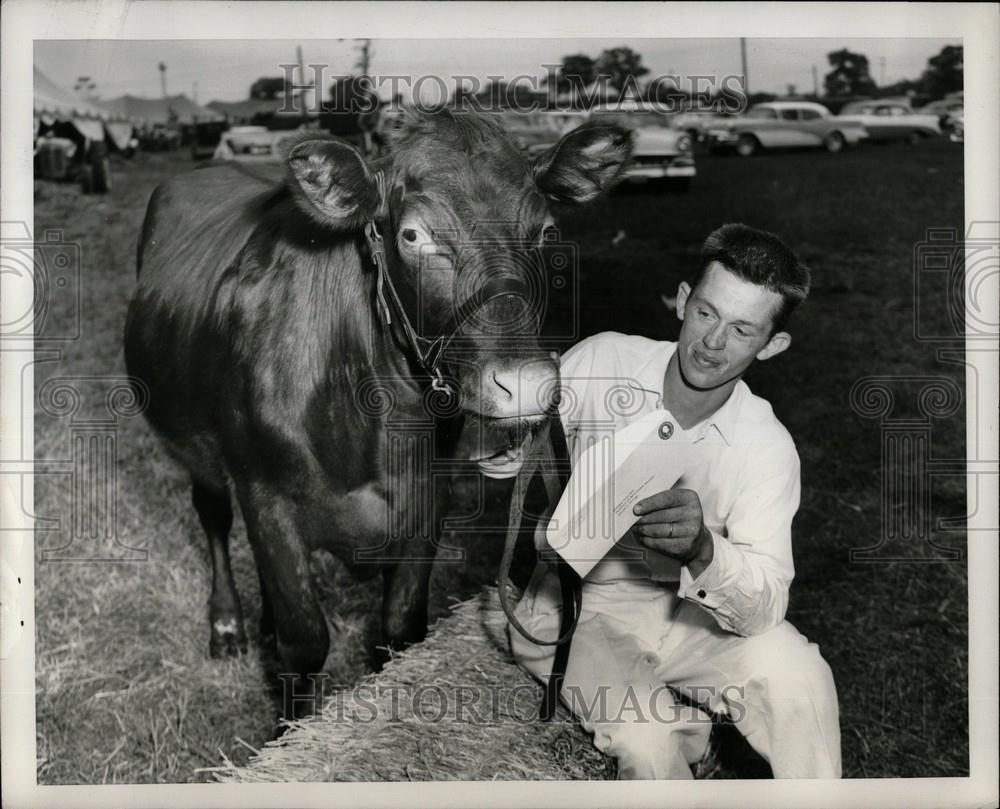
point(783, 661)
point(655, 747)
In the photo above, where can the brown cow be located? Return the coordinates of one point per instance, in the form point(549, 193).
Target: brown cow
point(270, 343)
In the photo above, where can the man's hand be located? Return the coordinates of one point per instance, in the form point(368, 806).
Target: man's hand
point(672, 523)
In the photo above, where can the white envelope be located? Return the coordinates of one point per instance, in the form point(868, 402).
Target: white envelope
point(609, 478)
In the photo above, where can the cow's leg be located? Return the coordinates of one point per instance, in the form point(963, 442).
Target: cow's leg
point(404, 607)
point(225, 614)
point(406, 579)
point(301, 636)
point(266, 626)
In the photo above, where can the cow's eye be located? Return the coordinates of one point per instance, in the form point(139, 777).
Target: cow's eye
point(413, 237)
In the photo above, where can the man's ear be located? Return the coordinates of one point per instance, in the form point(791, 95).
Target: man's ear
point(583, 163)
point(683, 293)
point(779, 342)
point(331, 182)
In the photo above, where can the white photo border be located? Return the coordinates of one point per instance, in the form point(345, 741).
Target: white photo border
point(978, 26)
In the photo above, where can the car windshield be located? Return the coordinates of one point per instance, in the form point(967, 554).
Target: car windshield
point(761, 112)
point(635, 119)
point(525, 121)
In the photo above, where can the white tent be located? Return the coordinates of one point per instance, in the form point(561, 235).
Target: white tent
point(178, 109)
point(53, 103)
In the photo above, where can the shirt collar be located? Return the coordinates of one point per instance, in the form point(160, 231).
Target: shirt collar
point(649, 378)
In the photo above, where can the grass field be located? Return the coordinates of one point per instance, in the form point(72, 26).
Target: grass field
point(125, 689)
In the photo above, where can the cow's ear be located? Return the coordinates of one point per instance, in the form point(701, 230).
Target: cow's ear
point(331, 182)
point(584, 162)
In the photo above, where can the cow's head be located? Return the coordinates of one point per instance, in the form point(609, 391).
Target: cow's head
point(460, 205)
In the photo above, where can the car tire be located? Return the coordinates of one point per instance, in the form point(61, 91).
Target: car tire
point(746, 146)
point(86, 179)
point(834, 142)
point(101, 175)
point(914, 138)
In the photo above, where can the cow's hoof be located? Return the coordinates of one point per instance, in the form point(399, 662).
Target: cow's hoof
point(228, 639)
point(381, 654)
point(268, 643)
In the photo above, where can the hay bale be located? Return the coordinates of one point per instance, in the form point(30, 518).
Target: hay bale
point(455, 707)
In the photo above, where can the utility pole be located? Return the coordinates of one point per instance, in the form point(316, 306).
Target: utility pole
point(365, 60)
point(302, 81)
point(194, 92)
point(163, 79)
point(815, 81)
point(85, 85)
point(881, 71)
point(743, 58)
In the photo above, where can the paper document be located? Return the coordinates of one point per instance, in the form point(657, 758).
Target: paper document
point(608, 479)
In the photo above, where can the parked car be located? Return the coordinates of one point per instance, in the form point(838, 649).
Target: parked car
point(956, 126)
point(566, 119)
point(944, 109)
point(253, 144)
point(784, 124)
point(661, 151)
point(533, 131)
point(206, 137)
point(697, 123)
point(159, 138)
point(891, 120)
point(76, 159)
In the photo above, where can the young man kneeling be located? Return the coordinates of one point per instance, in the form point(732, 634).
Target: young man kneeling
point(693, 598)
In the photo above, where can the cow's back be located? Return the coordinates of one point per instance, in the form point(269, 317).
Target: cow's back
point(176, 338)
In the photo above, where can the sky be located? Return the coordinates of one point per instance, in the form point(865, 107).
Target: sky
point(223, 70)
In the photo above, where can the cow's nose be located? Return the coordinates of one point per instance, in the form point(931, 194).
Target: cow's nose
point(526, 390)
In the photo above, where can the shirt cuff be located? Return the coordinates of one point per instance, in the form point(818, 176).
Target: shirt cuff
point(710, 589)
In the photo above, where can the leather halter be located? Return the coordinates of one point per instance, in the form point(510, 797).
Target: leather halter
point(426, 351)
point(548, 447)
point(549, 456)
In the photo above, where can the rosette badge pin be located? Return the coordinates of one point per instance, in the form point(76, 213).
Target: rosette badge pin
point(666, 430)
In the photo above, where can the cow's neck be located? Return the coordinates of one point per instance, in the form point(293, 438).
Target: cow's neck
point(362, 350)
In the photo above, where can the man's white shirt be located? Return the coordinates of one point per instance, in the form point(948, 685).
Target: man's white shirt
point(746, 475)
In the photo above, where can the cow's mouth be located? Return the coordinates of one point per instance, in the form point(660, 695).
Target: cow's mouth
point(504, 458)
point(503, 464)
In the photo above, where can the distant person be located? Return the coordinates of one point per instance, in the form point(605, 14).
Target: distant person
point(345, 114)
point(693, 598)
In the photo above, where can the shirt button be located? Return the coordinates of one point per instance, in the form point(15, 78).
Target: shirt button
point(701, 594)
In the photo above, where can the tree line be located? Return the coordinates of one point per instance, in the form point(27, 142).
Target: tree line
point(621, 69)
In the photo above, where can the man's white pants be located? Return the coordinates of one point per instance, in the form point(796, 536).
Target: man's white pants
point(635, 638)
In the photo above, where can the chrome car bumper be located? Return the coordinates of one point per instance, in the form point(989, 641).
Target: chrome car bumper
point(721, 137)
point(653, 168)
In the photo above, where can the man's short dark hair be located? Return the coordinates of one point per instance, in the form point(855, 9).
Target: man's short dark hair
point(760, 258)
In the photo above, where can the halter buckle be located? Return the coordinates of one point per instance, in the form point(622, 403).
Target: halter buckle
point(438, 383)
